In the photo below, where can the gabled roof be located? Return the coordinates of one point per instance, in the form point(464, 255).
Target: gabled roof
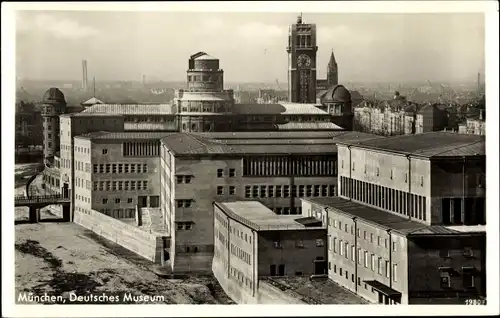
point(92, 101)
point(131, 109)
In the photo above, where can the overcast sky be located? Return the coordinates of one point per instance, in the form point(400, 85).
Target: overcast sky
point(251, 46)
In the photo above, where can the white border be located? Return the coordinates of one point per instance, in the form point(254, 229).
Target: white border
point(490, 8)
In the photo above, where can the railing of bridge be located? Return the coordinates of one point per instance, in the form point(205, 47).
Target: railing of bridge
point(37, 198)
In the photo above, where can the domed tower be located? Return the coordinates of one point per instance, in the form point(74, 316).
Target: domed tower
point(54, 104)
point(205, 104)
point(338, 103)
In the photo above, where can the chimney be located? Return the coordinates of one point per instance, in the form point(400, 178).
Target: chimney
point(481, 114)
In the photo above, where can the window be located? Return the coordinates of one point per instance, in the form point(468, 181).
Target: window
point(220, 173)
point(180, 226)
point(278, 191)
point(394, 246)
point(319, 243)
point(387, 269)
point(232, 172)
point(270, 191)
point(104, 201)
point(353, 253)
point(188, 226)
point(360, 256)
point(117, 200)
point(371, 237)
point(220, 190)
point(180, 179)
point(335, 223)
point(468, 252)
point(341, 246)
point(286, 191)
point(231, 190)
point(394, 272)
point(364, 235)
point(468, 277)
point(445, 280)
point(373, 262)
point(380, 266)
point(104, 151)
point(346, 228)
point(379, 240)
point(340, 271)
point(334, 245)
point(130, 200)
point(248, 191)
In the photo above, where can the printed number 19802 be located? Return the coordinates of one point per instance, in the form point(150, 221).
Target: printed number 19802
point(475, 301)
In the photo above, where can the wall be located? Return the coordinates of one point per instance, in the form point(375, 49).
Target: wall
point(391, 171)
point(265, 293)
point(144, 244)
point(449, 181)
point(425, 259)
point(295, 257)
point(82, 174)
point(128, 199)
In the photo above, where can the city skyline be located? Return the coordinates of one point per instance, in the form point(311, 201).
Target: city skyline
point(410, 47)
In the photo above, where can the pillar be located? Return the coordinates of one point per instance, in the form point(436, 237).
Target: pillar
point(66, 212)
point(34, 214)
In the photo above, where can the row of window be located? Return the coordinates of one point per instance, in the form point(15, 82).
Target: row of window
point(286, 191)
point(127, 185)
point(377, 173)
point(385, 198)
point(221, 220)
point(346, 228)
point(184, 179)
point(220, 173)
point(344, 273)
point(82, 183)
point(299, 243)
point(80, 209)
point(184, 225)
point(467, 275)
point(241, 254)
point(82, 166)
point(120, 168)
point(288, 210)
point(184, 203)
point(82, 198)
point(235, 274)
point(231, 190)
point(140, 149)
point(221, 237)
point(117, 200)
point(285, 166)
point(242, 235)
point(81, 149)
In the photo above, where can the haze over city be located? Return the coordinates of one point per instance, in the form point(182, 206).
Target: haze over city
point(251, 46)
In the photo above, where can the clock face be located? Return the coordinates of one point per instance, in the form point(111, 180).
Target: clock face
point(304, 61)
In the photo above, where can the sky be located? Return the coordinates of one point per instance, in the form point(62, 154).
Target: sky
point(251, 46)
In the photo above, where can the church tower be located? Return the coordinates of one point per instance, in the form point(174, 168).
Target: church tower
point(302, 62)
point(332, 76)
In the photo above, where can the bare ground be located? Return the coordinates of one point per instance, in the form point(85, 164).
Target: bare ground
point(58, 258)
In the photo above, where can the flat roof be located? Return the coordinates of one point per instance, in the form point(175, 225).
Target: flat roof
point(270, 134)
point(258, 217)
point(104, 135)
point(280, 108)
point(190, 144)
point(387, 220)
point(431, 144)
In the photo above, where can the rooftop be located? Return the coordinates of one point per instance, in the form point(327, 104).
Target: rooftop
point(432, 144)
point(315, 292)
point(192, 96)
point(258, 217)
point(130, 109)
point(190, 144)
point(309, 126)
point(387, 220)
point(92, 101)
point(283, 108)
point(104, 135)
point(272, 135)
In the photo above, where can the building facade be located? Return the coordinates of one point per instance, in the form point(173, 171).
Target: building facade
point(251, 242)
point(301, 51)
point(388, 259)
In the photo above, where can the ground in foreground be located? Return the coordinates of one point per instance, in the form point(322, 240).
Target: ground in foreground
point(64, 258)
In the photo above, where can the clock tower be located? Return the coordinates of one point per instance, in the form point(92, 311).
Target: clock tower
point(302, 62)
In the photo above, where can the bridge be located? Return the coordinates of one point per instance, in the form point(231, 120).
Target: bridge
point(35, 203)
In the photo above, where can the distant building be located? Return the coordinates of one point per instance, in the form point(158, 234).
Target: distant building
point(91, 102)
point(251, 242)
point(302, 62)
point(474, 125)
point(28, 123)
point(431, 118)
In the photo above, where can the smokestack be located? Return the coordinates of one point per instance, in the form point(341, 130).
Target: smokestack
point(478, 83)
point(143, 80)
point(85, 81)
point(94, 85)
